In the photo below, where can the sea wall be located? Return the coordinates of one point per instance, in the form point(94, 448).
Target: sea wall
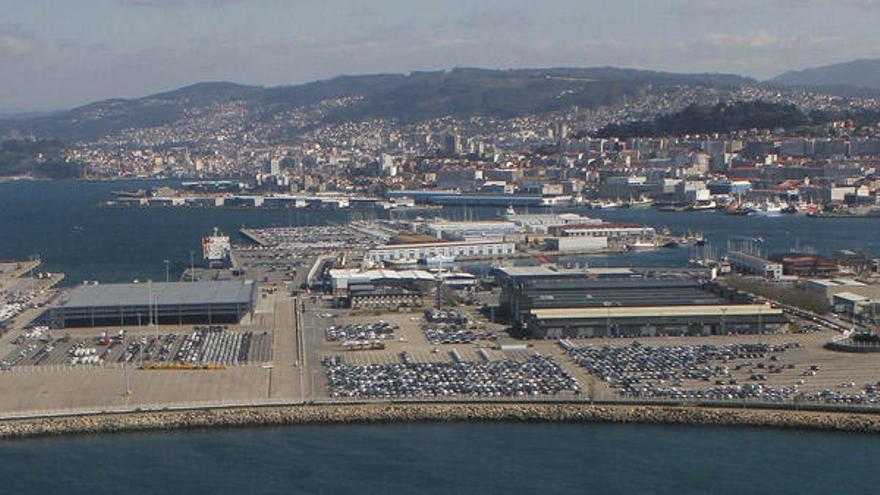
point(399, 413)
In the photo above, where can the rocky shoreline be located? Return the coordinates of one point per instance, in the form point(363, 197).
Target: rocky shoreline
point(402, 413)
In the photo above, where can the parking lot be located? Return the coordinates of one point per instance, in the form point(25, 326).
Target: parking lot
point(792, 367)
point(536, 376)
point(453, 327)
point(312, 239)
point(201, 346)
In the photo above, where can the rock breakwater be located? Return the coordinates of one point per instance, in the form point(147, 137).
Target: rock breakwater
point(421, 412)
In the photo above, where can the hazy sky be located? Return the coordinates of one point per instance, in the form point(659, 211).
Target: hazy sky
point(61, 53)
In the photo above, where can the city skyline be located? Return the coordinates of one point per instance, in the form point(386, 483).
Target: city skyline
point(60, 57)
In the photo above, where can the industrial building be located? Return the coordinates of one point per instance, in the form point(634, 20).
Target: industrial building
point(162, 303)
point(755, 265)
point(429, 250)
point(577, 244)
point(341, 279)
point(647, 321)
point(622, 303)
point(803, 265)
point(829, 288)
point(857, 307)
point(383, 298)
point(609, 230)
point(540, 222)
point(471, 230)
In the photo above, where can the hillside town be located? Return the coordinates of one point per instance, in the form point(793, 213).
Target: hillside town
point(547, 159)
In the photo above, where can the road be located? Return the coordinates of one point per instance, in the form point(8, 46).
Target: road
point(286, 372)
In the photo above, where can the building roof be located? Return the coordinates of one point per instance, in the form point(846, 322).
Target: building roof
point(164, 293)
point(532, 271)
point(837, 282)
point(355, 274)
point(654, 311)
point(849, 296)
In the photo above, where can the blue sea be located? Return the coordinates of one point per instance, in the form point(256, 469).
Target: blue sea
point(62, 223)
point(448, 459)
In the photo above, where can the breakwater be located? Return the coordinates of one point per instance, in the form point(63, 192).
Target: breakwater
point(424, 412)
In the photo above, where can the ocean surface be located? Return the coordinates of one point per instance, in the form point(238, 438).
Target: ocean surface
point(448, 459)
point(61, 222)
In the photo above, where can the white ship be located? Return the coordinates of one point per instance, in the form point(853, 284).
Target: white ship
point(770, 210)
point(216, 248)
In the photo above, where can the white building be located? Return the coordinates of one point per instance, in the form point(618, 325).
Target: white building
point(607, 230)
point(747, 263)
point(540, 222)
point(471, 230)
point(428, 250)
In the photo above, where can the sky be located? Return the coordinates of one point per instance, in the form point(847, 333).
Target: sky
point(58, 54)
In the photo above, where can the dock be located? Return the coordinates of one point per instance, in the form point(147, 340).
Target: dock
point(255, 237)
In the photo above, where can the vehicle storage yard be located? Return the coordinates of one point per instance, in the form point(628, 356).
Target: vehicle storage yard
point(308, 240)
point(202, 346)
point(537, 375)
point(771, 368)
point(415, 364)
point(24, 292)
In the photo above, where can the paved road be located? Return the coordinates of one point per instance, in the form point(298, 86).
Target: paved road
point(286, 360)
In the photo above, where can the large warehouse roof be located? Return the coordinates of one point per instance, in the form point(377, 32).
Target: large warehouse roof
point(177, 293)
point(655, 312)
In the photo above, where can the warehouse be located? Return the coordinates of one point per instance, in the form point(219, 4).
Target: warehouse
point(587, 244)
point(584, 293)
point(512, 279)
point(572, 304)
point(609, 230)
point(428, 250)
point(719, 319)
point(755, 265)
point(459, 231)
point(162, 303)
point(383, 298)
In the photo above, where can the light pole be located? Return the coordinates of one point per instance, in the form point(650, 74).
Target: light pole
point(167, 270)
point(723, 321)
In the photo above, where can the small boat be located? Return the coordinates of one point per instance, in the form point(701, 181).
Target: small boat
point(770, 210)
point(703, 205)
point(642, 202)
point(640, 246)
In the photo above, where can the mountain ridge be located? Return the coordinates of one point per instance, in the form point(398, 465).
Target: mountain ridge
point(460, 92)
point(859, 73)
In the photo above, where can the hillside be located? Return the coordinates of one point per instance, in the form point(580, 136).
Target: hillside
point(43, 159)
point(721, 118)
point(863, 73)
point(410, 97)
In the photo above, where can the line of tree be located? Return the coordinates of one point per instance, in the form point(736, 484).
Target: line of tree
point(40, 158)
point(720, 118)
